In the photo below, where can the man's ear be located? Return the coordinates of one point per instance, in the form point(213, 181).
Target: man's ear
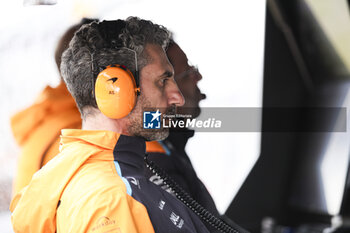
point(116, 91)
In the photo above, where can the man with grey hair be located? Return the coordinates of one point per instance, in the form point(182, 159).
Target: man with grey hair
point(98, 181)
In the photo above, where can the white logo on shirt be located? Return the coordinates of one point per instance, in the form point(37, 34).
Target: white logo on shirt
point(159, 181)
point(161, 204)
point(178, 222)
point(134, 181)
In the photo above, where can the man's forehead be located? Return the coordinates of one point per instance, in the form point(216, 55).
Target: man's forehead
point(157, 60)
point(176, 54)
point(154, 51)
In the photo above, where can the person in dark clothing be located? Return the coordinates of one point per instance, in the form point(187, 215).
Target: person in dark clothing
point(175, 160)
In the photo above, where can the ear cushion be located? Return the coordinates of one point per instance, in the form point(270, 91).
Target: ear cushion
point(115, 92)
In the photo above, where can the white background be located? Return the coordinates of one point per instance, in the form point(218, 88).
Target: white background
point(224, 38)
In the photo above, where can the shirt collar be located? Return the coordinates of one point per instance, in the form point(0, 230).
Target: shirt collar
point(130, 150)
point(102, 138)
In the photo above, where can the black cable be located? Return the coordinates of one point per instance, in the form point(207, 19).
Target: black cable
point(185, 198)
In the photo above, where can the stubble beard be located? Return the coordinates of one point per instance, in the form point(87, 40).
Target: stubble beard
point(135, 127)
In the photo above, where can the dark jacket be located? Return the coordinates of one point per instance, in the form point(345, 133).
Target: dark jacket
point(166, 212)
point(176, 163)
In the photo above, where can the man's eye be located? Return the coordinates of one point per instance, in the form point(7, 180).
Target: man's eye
point(164, 81)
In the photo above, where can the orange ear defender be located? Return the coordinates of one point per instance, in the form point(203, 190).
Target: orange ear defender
point(116, 91)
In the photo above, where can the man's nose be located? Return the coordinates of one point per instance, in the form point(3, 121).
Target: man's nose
point(175, 96)
point(197, 75)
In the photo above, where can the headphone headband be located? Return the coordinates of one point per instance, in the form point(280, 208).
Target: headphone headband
point(110, 31)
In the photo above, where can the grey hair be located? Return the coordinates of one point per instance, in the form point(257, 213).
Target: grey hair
point(88, 51)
